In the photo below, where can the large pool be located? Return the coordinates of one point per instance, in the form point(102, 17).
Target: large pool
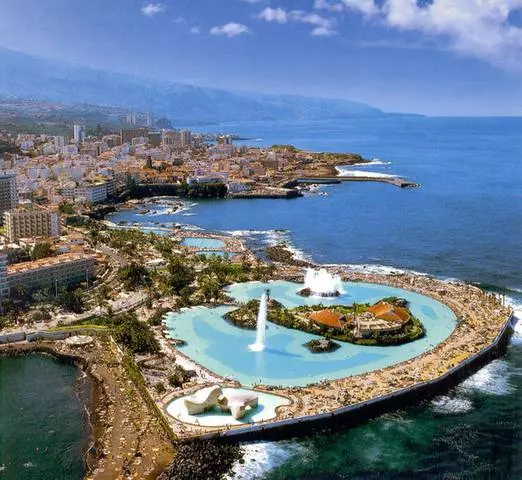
point(223, 348)
point(197, 242)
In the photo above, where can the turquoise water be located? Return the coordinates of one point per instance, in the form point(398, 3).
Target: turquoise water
point(265, 410)
point(43, 433)
point(223, 347)
point(202, 242)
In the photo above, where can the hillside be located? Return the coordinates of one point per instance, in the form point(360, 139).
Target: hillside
point(28, 77)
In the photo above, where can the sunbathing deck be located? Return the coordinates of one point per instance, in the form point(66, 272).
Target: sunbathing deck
point(481, 319)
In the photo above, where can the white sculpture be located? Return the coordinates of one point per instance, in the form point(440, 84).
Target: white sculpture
point(238, 404)
point(203, 400)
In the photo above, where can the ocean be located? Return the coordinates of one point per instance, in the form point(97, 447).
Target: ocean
point(43, 427)
point(464, 222)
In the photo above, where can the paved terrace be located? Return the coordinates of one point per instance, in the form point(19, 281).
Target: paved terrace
point(481, 320)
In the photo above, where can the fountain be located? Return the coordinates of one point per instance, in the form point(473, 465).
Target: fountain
point(259, 346)
point(320, 283)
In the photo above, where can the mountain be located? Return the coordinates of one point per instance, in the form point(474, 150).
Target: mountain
point(24, 76)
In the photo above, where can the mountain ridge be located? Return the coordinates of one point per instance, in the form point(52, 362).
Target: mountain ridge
point(28, 77)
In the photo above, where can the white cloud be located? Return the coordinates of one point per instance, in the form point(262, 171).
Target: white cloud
point(478, 28)
point(230, 30)
point(330, 6)
point(323, 26)
point(274, 15)
point(152, 9)
point(323, 32)
point(195, 31)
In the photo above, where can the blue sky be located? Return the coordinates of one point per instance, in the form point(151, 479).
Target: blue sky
point(458, 57)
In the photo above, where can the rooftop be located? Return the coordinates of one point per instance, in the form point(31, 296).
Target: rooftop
point(47, 262)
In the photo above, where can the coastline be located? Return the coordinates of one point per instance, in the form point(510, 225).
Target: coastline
point(472, 335)
point(121, 439)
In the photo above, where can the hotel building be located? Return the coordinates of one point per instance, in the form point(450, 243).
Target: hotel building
point(54, 272)
point(31, 222)
point(8, 193)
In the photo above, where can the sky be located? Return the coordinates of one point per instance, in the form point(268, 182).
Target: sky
point(437, 57)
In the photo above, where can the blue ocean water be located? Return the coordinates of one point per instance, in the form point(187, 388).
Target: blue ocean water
point(465, 221)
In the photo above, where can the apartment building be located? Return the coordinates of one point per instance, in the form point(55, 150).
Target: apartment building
point(31, 222)
point(54, 272)
point(8, 193)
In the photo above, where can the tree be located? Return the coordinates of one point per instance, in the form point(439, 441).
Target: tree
point(42, 250)
point(181, 274)
point(134, 276)
point(210, 288)
point(71, 301)
point(66, 208)
point(135, 335)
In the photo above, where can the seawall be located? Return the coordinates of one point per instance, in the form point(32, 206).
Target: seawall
point(352, 415)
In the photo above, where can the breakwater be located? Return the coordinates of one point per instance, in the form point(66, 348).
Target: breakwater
point(356, 414)
point(396, 181)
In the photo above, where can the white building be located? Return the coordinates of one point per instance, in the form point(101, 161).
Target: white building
point(79, 133)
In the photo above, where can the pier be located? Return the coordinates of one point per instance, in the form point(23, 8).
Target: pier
point(396, 181)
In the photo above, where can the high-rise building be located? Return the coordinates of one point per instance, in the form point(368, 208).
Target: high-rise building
point(60, 271)
point(4, 281)
point(155, 138)
point(224, 140)
point(186, 138)
point(79, 133)
point(8, 193)
point(128, 134)
point(150, 119)
point(31, 222)
point(172, 138)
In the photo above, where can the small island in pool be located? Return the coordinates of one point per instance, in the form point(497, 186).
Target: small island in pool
point(387, 322)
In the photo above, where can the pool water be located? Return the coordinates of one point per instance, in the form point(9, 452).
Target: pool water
point(223, 347)
point(266, 410)
point(203, 243)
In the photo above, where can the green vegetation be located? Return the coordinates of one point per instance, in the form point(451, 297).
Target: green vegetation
point(77, 221)
point(298, 319)
point(134, 276)
point(205, 190)
point(322, 346)
point(286, 148)
point(42, 250)
point(136, 336)
point(66, 208)
point(246, 316)
point(156, 318)
point(71, 301)
point(178, 377)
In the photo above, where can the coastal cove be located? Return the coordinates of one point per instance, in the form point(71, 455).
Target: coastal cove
point(46, 432)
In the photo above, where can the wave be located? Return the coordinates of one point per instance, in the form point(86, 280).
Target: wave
point(375, 161)
point(447, 405)
point(246, 233)
point(492, 379)
point(374, 268)
point(260, 458)
point(362, 173)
